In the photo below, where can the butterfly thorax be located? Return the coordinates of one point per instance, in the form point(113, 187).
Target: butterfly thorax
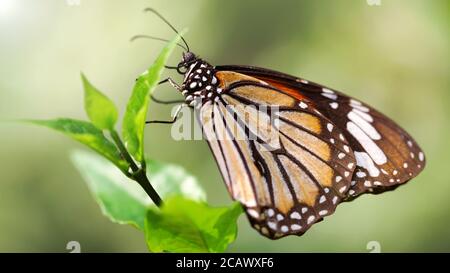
point(200, 83)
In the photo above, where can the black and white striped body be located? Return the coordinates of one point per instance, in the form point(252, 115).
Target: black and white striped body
point(200, 83)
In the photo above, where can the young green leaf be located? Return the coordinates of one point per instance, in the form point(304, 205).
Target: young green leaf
point(136, 111)
point(123, 200)
point(184, 225)
point(100, 109)
point(87, 134)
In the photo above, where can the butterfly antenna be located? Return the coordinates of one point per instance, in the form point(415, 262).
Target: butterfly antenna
point(155, 38)
point(169, 24)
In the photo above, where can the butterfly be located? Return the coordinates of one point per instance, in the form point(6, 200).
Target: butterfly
point(291, 150)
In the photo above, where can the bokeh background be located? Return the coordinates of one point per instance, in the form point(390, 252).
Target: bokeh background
point(394, 56)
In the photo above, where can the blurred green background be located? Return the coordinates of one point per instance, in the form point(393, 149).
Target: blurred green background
point(394, 56)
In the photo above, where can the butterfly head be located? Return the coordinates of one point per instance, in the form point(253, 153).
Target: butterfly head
point(189, 57)
point(200, 83)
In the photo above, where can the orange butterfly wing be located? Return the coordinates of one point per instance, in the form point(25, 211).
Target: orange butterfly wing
point(386, 155)
point(288, 173)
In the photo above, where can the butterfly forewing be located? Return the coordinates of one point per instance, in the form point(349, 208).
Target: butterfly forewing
point(386, 156)
point(288, 164)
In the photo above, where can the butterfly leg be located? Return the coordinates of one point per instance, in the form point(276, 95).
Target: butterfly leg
point(175, 85)
point(165, 101)
point(174, 119)
point(172, 82)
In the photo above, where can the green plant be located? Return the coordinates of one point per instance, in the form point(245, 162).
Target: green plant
point(184, 222)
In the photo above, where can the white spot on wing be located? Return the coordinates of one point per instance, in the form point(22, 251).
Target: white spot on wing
point(334, 105)
point(253, 213)
point(330, 96)
point(330, 127)
point(346, 148)
point(296, 227)
point(421, 156)
point(322, 199)
point(272, 225)
point(335, 200)
point(264, 231)
point(363, 115)
point(364, 125)
point(360, 107)
point(364, 160)
point(360, 174)
point(296, 215)
point(371, 148)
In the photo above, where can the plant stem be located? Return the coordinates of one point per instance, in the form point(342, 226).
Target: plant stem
point(139, 174)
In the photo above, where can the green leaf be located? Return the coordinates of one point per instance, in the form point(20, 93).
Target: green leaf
point(184, 225)
point(121, 199)
point(100, 109)
point(136, 112)
point(86, 133)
